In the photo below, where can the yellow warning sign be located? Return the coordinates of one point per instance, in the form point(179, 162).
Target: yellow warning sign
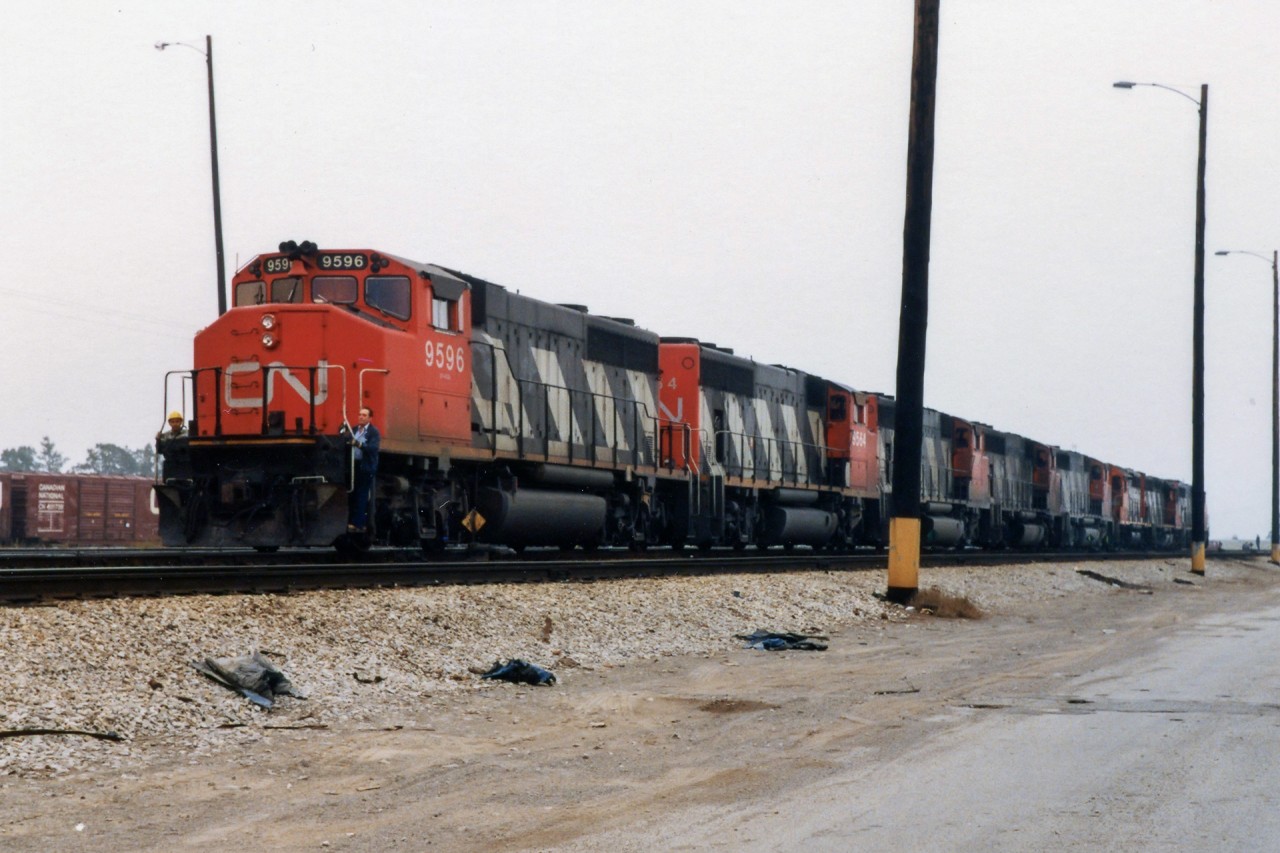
point(473, 521)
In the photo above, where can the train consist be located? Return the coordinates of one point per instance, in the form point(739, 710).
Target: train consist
point(77, 509)
point(509, 420)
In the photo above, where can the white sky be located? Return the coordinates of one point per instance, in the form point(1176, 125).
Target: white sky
point(733, 171)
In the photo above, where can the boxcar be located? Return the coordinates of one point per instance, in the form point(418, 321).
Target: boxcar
point(76, 509)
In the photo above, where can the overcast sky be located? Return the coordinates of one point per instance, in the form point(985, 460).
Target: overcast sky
point(732, 171)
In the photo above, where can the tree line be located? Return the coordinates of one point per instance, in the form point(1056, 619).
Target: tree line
point(100, 459)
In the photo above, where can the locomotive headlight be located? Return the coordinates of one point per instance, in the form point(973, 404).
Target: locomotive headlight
point(269, 339)
point(268, 321)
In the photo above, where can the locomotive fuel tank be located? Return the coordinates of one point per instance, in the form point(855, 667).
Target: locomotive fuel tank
point(942, 531)
point(541, 517)
point(1025, 533)
point(795, 525)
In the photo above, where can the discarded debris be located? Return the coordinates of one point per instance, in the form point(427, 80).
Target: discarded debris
point(26, 732)
point(944, 605)
point(252, 676)
point(519, 672)
point(1146, 590)
point(774, 641)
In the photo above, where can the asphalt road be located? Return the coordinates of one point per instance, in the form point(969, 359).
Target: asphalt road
point(1172, 749)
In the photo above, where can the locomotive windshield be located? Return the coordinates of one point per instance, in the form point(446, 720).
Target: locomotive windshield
point(339, 289)
point(251, 293)
point(282, 290)
point(286, 289)
point(389, 294)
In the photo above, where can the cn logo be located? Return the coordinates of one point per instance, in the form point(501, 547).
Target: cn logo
point(276, 372)
point(677, 416)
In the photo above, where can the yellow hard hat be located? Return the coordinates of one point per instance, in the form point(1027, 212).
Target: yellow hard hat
point(175, 416)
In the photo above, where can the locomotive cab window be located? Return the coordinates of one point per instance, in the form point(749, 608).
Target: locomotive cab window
point(338, 289)
point(444, 314)
point(839, 409)
point(286, 289)
point(388, 294)
point(251, 293)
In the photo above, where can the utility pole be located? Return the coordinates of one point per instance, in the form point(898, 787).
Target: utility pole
point(913, 322)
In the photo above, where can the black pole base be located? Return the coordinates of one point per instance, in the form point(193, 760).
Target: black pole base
point(900, 594)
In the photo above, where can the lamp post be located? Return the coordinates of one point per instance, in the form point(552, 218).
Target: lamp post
point(1198, 533)
point(213, 158)
point(1275, 393)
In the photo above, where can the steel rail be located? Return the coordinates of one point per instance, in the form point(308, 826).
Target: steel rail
point(39, 584)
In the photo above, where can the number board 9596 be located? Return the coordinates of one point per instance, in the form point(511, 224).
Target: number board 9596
point(341, 261)
point(274, 265)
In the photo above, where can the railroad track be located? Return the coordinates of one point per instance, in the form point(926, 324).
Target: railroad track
point(96, 573)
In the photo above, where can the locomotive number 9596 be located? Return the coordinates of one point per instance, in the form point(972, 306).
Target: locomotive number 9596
point(444, 356)
point(341, 261)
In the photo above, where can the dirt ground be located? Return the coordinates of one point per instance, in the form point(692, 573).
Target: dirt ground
point(617, 756)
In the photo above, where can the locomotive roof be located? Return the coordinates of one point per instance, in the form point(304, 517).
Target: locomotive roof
point(498, 302)
point(439, 276)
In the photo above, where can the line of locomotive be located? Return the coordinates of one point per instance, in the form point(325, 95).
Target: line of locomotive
point(510, 420)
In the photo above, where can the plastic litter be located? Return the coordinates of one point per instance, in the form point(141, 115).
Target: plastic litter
point(519, 672)
point(774, 641)
point(252, 676)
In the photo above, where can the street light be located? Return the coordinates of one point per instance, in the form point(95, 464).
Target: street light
point(1198, 534)
point(213, 157)
point(1275, 393)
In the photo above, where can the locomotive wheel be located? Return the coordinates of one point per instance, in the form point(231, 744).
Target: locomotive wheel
point(350, 544)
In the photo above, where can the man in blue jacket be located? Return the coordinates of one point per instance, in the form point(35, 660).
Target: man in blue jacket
point(367, 441)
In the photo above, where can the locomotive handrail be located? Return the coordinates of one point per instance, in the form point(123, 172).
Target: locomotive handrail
point(572, 393)
point(188, 377)
point(773, 451)
point(551, 395)
point(193, 374)
point(690, 464)
point(311, 392)
point(666, 454)
point(218, 372)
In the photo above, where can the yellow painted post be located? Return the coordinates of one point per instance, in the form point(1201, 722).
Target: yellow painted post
point(1197, 558)
point(904, 559)
point(1275, 554)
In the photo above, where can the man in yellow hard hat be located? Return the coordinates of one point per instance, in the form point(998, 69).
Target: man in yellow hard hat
point(176, 429)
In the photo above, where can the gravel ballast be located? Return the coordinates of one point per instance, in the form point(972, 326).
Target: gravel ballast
point(364, 657)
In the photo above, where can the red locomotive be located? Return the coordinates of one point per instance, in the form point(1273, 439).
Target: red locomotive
point(509, 420)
